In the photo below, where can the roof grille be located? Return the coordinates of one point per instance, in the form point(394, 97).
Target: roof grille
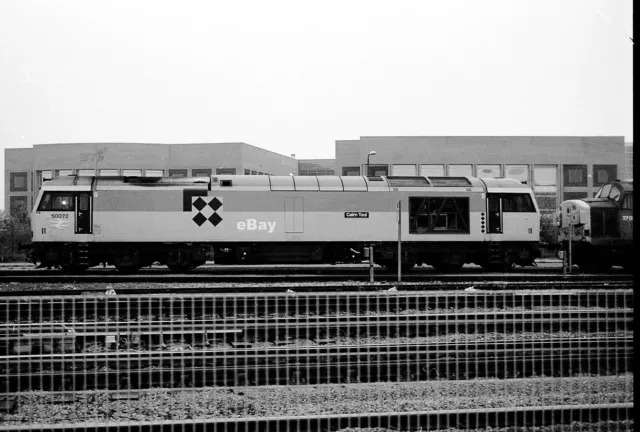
point(398, 181)
point(450, 181)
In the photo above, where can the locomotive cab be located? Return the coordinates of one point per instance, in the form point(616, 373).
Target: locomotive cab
point(600, 228)
point(63, 212)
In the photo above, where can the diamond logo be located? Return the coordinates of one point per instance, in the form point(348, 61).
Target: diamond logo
point(199, 219)
point(215, 219)
point(215, 204)
point(204, 208)
point(199, 203)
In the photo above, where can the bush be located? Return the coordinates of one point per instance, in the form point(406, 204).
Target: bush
point(14, 232)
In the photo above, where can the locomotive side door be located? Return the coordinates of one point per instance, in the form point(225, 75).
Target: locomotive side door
point(84, 213)
point(293, 215)
point(494, 211)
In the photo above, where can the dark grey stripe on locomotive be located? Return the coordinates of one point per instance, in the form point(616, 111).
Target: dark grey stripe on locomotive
point(269, 201)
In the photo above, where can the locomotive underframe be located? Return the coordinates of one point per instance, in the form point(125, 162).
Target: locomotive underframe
point(180, 257)
point(599, 256)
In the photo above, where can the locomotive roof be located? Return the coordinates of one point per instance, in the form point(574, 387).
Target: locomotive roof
point(292, 183)
point(338, 183)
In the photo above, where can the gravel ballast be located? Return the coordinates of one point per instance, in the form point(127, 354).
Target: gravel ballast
point(268, 401)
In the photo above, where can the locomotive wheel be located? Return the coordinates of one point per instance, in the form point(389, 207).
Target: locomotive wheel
point(392, 266)
point(179, 268)
point(497, 267)
point(73, 269)
point(447, 267)
point(128, 269)
point(593, 265)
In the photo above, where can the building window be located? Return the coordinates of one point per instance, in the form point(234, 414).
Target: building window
point(201, 172)
point(460, 171)
point(603, 174)
point(311, 168)
point(64, 172)
point(488, 171)
point(378, 170)
point(545, 179)
point(575, 195)
point(109, 173)
point(432, 170)
point(86, 172)
point(177, 173)
point(132, 173)
point(351, 171)
point(547, 202)
point(518, 172)
point(575, 175)
point(403, 170)
point(429, 215)
point(18, 182)
point(225, 171)
point(18, 206)
point(153, 173)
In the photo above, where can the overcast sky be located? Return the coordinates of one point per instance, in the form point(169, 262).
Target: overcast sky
point(294, 76)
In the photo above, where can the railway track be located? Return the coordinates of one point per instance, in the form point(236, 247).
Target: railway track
point(248, 340)
point(275, 329)
point(53, 311)
point(283, 274)
point(313, 365)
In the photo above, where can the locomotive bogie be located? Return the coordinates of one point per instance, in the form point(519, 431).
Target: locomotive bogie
point(133, 223)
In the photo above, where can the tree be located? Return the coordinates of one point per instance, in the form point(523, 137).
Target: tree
point(14, 232)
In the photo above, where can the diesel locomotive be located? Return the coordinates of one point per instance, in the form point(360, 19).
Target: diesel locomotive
point(132, 222)
point(600, 228)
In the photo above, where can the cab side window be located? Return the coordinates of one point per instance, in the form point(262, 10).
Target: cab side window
point(627, 204)
point(56, 201)
point(517, 203)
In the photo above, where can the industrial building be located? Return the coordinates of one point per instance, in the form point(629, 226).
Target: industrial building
point(558, 168)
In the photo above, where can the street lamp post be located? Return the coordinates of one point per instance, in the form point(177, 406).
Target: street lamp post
point(371, 153)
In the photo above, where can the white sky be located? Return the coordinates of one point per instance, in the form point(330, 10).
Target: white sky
point(294, 76)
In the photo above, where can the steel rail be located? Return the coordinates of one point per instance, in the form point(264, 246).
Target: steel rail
point(430, 420)
point(379, 369)
point(610, 318)
point(265, 285)
point(295, 352)
point(335, 364)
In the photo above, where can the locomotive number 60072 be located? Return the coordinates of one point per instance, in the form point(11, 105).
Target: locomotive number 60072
point(59, 216)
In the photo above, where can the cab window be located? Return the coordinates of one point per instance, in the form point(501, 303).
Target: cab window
point(615, 193)
point(83, 202)
point(604, 191)
point(56, 201)
point(627, 204)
